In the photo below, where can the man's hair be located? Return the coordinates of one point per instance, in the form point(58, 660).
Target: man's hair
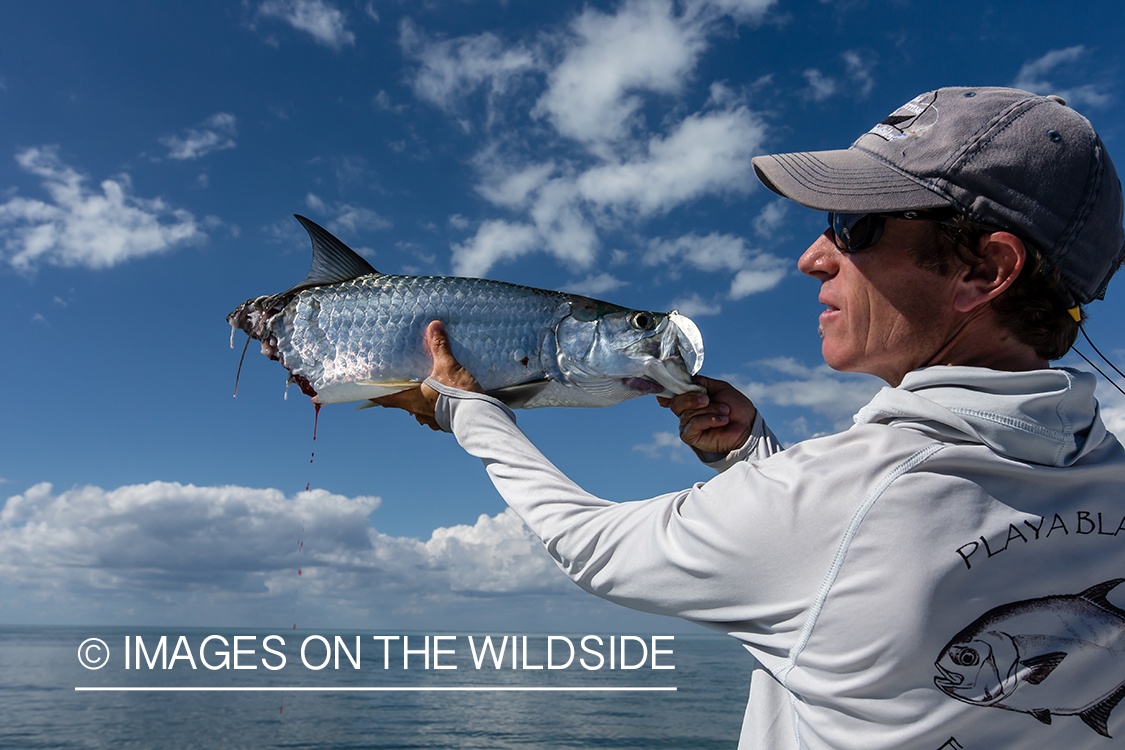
point(1034, 308)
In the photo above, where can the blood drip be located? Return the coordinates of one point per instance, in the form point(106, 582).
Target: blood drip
point(316, 420)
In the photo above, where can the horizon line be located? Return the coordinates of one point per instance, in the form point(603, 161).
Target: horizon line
point(310, 689)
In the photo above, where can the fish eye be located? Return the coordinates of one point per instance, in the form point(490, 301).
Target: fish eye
point(642, 321)
point(965, 657)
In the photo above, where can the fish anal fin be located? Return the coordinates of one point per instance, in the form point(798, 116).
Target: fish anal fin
point(1042, 714)
point(1097, 717)
point(515, 396)
point(1097, 595)
point(332, 262)
point(1041, 666)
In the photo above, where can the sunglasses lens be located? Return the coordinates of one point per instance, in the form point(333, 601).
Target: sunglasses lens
point(853, 231)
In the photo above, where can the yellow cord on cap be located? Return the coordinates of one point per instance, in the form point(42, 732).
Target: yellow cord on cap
point(1076, 314)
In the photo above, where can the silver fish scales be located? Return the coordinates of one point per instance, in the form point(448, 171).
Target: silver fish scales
point(349, 333)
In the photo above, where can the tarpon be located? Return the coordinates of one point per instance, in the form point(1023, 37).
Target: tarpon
point(350, 333)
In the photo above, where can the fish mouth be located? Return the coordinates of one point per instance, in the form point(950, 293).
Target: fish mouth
point(948, 681)
point(681, 356)
point(645, 386)
point(687, 343)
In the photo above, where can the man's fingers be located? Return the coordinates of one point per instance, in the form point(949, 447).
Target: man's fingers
point(691, 429)
point(686, 402)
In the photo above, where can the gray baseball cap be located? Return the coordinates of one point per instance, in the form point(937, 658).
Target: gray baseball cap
point(1010, 159)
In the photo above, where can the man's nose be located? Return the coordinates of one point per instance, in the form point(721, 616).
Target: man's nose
point(821, 259)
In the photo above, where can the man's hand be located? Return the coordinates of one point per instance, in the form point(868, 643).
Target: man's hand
point(717, 421)
point(448, 371)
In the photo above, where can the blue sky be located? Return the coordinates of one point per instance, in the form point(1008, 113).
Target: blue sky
point(151, 157)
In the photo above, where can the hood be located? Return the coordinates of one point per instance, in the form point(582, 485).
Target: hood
point(1047, 417)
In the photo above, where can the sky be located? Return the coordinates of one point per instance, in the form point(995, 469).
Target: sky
point(152, 156)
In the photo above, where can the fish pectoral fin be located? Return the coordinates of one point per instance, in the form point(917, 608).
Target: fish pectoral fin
point(378, 390)
point(515, 396)
point(1097, 717)
point(1042, 714)
point(1039, 667)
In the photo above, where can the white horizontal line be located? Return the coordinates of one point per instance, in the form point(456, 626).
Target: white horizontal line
point(369, 689)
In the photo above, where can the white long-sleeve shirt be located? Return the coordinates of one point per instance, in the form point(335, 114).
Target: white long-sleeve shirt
point(942, 575)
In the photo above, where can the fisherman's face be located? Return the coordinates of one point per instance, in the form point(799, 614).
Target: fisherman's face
point(885, 315)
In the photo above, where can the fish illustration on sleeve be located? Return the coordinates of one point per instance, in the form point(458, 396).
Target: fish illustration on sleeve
point(1053, 656)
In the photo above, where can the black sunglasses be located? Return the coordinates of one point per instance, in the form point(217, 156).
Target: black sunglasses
point(855, 232)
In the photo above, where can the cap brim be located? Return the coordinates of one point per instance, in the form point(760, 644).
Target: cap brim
point(845, 181)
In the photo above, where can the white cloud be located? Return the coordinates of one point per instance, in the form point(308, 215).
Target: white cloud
point(347, 219)
point(81, 226)
point(771, 217)
point(494, 242)
point(325, 22)
point(186, 546)
point(754, 271)
point(1112, 407)
point(857, 81)
point(706, 153)
point(510, 187)
point(451, 69)
point(644, 47)
point(696, 306)
point(607, 66)
point(1033, 77)
point(740, 10)
point(1114, 417)
point(665, 446)
point(213, 134)
point(860, 69)
point(765, 273)
point(820, 87)
point(595, 285)
point(566, 231)
point(715, 252)
point(819, 389)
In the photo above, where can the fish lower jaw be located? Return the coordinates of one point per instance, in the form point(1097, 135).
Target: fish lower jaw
point(644, 386)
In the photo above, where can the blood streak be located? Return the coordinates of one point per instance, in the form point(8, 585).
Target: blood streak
point(316, 420)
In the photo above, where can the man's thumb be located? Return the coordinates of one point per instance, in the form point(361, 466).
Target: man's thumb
point(436, 341)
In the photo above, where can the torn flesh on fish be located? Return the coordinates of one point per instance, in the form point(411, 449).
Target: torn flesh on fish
point(350, 333)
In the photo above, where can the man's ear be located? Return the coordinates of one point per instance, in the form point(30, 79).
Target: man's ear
point(1002, 258)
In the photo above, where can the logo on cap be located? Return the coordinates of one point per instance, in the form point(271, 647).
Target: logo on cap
point(916, 116)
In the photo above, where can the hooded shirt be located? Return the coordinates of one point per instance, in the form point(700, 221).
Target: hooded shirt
point(944, 574)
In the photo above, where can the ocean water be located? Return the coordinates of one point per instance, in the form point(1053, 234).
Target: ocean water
point(510, 706)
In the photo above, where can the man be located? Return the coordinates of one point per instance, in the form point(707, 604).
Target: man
point(946, 573)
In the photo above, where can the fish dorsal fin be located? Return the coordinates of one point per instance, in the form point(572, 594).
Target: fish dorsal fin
point(1096, 595)
point(1041, 666)
point(1097, 717)
point(1043, 714)
point(332, 260)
